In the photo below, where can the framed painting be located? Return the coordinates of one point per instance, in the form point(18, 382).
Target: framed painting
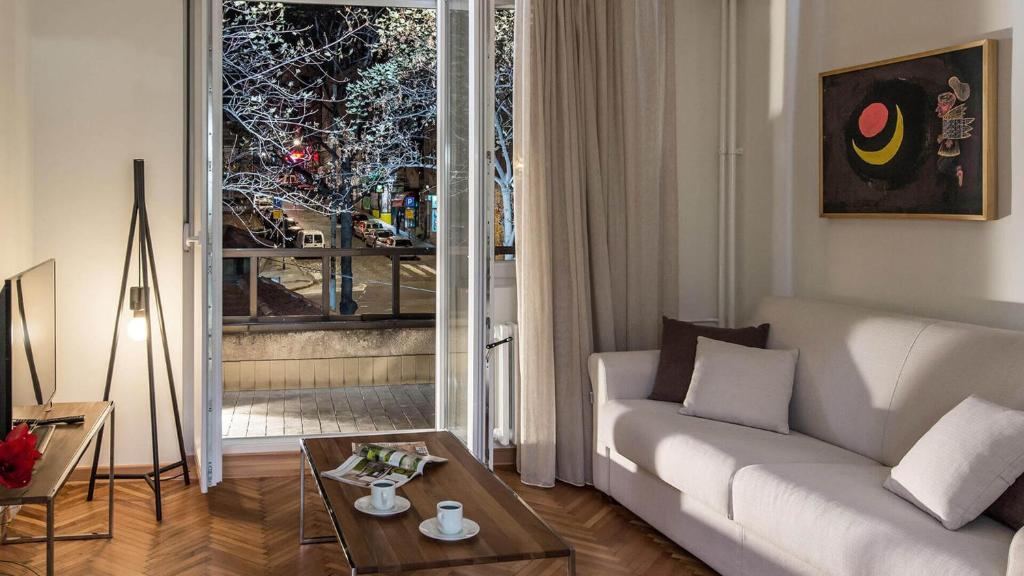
point(911, 137)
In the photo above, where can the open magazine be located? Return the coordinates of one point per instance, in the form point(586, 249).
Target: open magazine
point(395, 461)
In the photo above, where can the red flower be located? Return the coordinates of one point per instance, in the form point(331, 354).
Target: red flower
point(18, 456)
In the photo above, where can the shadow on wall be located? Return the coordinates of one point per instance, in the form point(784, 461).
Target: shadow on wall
point(1005, 119)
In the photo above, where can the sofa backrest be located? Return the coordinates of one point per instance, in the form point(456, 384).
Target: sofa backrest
point(949, 362)
point(874, 382)
point(850, 360)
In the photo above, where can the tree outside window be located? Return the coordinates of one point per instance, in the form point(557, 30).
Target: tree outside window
point(332, 110)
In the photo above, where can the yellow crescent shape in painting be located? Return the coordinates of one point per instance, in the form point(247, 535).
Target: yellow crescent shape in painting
point(887, 152)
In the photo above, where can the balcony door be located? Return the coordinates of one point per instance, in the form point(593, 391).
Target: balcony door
point(466, 142)
point(464, 224)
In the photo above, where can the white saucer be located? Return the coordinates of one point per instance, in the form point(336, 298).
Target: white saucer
point(432, 529)
point(365, 505)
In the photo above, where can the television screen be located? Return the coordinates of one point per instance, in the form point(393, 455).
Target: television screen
point(30, 338)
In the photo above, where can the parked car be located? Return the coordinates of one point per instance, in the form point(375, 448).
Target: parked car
point(358, 222)
point(291, 235)
point(395, 241)
point(378, 238)
point(387, 239)
point(309, 239)
point(359, 228)
point(369, 227)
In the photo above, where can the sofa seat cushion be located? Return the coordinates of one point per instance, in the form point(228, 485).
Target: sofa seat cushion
point(839, 519)
point(698, 456)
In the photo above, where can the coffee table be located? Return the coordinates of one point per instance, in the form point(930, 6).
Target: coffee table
point(509, 530)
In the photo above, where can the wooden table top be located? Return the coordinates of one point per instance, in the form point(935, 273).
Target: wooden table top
point(509, 529)
point(65, 449)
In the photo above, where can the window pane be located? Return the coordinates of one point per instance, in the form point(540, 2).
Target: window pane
point(457, 382)
point(236, 287)
point(289, 287)
point(329, 108)
point(418, 284)
point(504, 214)
point(329, 112)
point(364, 285)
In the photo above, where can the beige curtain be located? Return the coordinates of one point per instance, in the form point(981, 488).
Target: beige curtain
point(596, 209)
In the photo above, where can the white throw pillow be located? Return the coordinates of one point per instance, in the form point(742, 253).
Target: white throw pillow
point(742, 385)
point(963, 463)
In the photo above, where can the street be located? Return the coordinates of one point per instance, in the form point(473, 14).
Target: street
point(309, 220)
point(371, 275)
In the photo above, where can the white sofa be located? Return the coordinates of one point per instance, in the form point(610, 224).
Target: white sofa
point(753, 502)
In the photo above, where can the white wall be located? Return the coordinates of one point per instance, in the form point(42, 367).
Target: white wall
point(503, 292)
point(106, 86)
point(758, 119)
point(699, 99)
point(15, 110)
point(698, 29)
point(970, 271)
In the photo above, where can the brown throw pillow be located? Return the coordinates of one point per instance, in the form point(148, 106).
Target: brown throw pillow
point(1009, 508)
point(679, 352)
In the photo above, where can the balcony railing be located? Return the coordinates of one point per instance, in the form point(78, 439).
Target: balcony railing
point(276, 288)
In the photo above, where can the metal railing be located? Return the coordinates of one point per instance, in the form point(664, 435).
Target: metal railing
point(329, 315)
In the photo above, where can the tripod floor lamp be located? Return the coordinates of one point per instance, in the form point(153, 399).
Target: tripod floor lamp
point(139, 327)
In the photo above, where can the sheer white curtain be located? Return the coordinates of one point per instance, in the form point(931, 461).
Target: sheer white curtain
point(596, 209)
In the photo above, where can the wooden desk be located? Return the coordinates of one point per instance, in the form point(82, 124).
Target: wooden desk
point(509, 530)
point(67, 445)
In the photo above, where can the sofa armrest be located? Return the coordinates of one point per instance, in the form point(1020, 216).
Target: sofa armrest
point(626, 375)
point(1015, 567)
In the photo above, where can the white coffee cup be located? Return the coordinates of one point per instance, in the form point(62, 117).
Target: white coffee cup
point(449, 516)
point(382, 494)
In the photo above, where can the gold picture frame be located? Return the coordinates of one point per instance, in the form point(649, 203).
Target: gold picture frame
point(861, 188)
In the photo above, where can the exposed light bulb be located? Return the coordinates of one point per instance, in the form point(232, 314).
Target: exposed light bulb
point(137, 329)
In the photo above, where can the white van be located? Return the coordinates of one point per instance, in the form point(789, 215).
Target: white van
point(309, 239)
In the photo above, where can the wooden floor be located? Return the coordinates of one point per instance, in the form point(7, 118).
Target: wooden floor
point(262, 413)
point(249, 527)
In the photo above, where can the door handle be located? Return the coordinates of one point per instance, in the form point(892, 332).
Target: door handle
point(494, 345)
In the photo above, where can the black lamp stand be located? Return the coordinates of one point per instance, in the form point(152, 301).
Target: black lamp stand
point(139, 304)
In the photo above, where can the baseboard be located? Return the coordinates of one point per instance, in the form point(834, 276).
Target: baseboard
point(271, 464)
point(244, 465)
point(261, 465)
point(505, 457)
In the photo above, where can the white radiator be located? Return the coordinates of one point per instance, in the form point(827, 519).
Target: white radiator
point(504, 373)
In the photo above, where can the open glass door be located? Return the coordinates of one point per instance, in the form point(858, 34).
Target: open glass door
point(202, 236)
point(465, 145)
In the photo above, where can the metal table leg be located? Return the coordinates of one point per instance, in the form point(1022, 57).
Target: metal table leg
point(110, 479)
point(49, 537)
point(302, 505)
point(302, 496)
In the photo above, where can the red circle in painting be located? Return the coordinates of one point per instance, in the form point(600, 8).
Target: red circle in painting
point(873, 119)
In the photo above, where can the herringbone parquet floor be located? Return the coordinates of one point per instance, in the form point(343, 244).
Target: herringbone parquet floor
point(249, 527)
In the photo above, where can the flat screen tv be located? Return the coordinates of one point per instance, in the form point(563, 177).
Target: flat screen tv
point(28, 345)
